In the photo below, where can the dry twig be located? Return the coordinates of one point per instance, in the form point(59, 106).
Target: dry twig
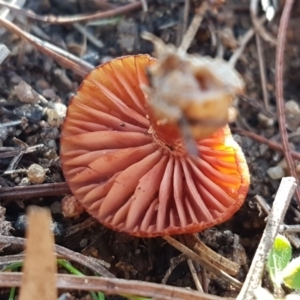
point(31, 191)
point(262, 70)
point(76, 18)
point(282, 200)
point(246, 38)
point(206, 253)
point(195, 275)
point(62, 57)
point(183, 26)
point(279, 66)
point(193, 28)
point(258, 26)
point(203, 261)
point(95, 265)
point(273, 145)
point(116, 286)
point(289, 230)
point(174, 262)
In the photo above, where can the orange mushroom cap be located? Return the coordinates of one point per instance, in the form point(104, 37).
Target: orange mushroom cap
point(128, 177)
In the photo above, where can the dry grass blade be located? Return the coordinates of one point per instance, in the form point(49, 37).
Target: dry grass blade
point(262, 70)
point(246, 38)
point(193, 28)
point(282, 200)
point(206, 253)
point(62, 57)
point(273, 145)
point(195, 275)
point(95, 265)
point(258, 26)
point(76, 18)
point(113, 286)
point(39, 269)
point(279, 65)
point(204, 261)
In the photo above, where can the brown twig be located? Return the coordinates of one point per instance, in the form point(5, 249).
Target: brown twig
point(222, 263)
point(95, 265)
point(193, 28)
point(6, 152)
point(195, 275)
point(174, 262)
point(38, 190)
point(258, 26)
point(115, 286)
point(62, 57)
point(203, 261)
point(183, 26)
point(262, 69)
point(76, 18)
point(279, 66)
point(246, 38)
point(273, 145)
point(259, 106)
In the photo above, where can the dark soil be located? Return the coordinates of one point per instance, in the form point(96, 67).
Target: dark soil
point(129, 257)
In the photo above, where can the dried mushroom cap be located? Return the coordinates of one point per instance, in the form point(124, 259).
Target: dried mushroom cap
point(128, 175)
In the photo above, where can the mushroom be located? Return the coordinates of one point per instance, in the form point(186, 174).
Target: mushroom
point(124, 149)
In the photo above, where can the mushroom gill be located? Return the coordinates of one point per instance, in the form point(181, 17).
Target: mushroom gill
point(133, 173)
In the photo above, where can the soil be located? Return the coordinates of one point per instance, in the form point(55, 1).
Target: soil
point(130, 257)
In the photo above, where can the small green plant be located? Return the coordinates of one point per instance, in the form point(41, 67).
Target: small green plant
point(281, 267)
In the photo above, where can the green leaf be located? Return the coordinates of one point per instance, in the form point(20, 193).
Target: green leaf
point(278, 258)
point(291, 274)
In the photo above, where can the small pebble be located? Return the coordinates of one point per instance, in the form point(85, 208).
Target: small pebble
point(63, 78)
point(51, 144)
point(22, 222)
point(3, 133)
point(25, 93)
point(276, 172)
point(36, 174)
point(51, 154)
point(265, 121)
point(32, 140)
point(24, 182)
point(42, 84)
point(53, 118)
point(71, 208)
point(55, 207)
point(83, 242)
point(128, 35)
point(56, 177)
point(292, 113)
point(33, 113)
point(49, 133)
point(61, 109)
point(49, 93)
